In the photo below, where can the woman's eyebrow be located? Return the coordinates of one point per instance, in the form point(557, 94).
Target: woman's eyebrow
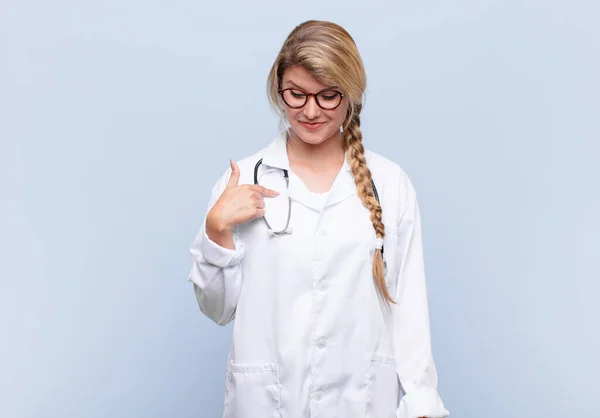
point(301, 88)
point(294, 84)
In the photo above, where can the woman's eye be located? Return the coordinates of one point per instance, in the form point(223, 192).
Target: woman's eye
point(329, 96)
point(297, 94)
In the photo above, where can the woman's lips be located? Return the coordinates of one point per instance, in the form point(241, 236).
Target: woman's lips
point(312, 126)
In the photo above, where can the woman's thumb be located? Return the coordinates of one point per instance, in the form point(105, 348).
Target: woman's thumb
point(235, 175)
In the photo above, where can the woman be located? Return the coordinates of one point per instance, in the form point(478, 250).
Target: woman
point(313, 245)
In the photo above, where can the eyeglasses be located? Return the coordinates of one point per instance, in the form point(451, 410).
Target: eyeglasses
point(326, 99)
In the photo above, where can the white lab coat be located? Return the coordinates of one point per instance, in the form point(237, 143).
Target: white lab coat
point(311, 337)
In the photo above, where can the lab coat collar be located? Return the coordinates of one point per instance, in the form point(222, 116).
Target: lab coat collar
point(343, 187)
point(276, 154)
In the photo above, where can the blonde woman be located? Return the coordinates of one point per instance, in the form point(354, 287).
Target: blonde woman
point(313, 246)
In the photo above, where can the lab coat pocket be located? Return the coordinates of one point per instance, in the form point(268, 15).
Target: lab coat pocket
point(383, 393)
point(253, 390)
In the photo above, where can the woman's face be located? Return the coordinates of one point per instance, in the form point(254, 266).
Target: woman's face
point(311, 123)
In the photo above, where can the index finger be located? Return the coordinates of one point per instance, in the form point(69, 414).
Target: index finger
point(263, 190)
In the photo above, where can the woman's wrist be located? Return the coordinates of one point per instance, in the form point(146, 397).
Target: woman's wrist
point(219, 232)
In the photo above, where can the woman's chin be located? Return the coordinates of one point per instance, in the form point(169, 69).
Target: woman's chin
point(312, 137)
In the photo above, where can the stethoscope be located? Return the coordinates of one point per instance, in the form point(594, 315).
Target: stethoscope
point(285, 230)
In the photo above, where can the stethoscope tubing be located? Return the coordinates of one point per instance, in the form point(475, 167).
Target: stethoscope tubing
point(287, 183)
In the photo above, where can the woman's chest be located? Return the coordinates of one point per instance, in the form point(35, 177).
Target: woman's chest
point(336, 241)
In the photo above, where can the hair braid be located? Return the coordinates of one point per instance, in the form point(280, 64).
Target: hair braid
point(362, 178)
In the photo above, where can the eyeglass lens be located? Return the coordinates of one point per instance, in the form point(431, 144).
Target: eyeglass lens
point(328, 99)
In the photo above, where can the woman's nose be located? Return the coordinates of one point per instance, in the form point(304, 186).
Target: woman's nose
point(311, 108)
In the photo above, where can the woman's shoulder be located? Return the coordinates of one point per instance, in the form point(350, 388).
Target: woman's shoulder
point(267, 155)
point(389, 175)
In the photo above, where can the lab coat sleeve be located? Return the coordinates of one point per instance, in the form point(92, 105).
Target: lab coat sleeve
point(216, 271)
point(411, 341)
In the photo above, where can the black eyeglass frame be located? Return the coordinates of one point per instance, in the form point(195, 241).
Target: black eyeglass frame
point(307, 95)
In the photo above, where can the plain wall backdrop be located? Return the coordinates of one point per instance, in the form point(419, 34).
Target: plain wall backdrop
point(117, 117)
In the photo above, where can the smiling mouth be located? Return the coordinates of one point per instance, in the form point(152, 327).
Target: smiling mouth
point(312, 125)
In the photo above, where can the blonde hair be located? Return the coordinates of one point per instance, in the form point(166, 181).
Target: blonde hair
point(329, 53)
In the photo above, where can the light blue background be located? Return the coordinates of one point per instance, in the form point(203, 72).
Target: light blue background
point(116, 118)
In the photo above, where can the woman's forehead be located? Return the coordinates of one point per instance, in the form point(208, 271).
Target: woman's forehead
point(303, 79)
